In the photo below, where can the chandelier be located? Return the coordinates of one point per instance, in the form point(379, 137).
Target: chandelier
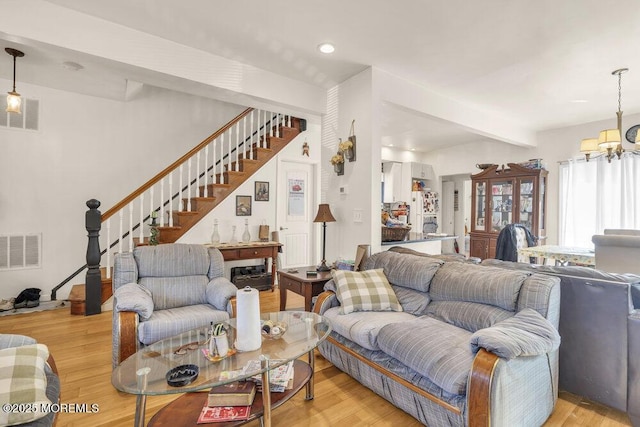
point(609, 141)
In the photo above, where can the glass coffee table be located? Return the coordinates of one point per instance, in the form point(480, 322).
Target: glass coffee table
point(144, 373)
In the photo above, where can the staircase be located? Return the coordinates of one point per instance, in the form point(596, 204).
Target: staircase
point(236, 163)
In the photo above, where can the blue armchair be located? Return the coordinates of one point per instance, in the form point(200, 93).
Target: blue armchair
point(161, 291)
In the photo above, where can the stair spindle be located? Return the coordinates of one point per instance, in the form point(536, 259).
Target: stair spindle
point(253, 131)
point(108, 247)
point(141, 231)
point(120, 215)
point(237, 168)
point(188, 186)
point(170, 206)
point(160, 212)
point(130, 227)
point(180, 189)
point(206, 168)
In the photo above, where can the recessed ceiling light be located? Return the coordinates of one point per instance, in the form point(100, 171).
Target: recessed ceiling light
point(390, 145)
point(73, 66)
point(579, 101)
point(326, 48)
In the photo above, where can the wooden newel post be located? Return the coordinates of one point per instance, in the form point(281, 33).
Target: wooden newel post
point(93, 281)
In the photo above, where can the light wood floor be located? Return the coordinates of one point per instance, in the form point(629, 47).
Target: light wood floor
point(82, 350)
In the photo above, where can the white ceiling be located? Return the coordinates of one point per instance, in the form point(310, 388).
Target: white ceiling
point(527, 61)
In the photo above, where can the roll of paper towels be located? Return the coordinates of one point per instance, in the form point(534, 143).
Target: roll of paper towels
point(248, 320)
point(402, 218)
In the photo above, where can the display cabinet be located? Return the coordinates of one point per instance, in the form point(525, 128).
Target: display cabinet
point(501, 196)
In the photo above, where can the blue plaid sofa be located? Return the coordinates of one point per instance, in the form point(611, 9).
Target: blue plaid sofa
point(164, 290)
point(473, 345)
point(29, 376)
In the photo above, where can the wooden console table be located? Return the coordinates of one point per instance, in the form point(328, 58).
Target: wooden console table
point(252, 250)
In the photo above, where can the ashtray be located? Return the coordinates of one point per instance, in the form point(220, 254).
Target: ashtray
point(182, 375)
point(272, 330)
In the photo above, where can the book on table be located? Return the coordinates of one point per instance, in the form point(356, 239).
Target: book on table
point(280, 377)
point(219, 414)
point(237, 393)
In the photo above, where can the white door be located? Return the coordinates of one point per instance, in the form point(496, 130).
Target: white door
point(448, 188)
point(295, 213)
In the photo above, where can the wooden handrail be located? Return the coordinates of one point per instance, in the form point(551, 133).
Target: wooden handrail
point(124, 202)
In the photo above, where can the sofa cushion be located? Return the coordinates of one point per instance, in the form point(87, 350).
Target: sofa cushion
point(364, 291)
point(525, 334)
point(413, 302)
point(435, 349)
point(23, 381)
point(409, 271)
point(363, 327)
point(172, 292)
point(467, 315)
point(166, 323)
point(172, 260)
point(473, 283)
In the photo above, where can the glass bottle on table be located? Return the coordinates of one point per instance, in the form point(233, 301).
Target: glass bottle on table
point(215, 236)
point(246, 236)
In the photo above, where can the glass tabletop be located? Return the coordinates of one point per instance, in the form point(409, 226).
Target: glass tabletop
point(144, 373)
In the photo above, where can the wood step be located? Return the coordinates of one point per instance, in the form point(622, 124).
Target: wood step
point(77, 296)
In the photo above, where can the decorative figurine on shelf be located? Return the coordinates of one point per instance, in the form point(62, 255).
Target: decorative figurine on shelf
point(154, 233)
point(246, 236)
point(305, 149)
point(234, 239)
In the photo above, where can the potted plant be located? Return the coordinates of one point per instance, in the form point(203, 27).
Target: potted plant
point(346, 147)
point(337, 160)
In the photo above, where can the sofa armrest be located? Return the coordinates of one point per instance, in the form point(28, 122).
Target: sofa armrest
point(219, 292)
point(126, 337)
point(325, 301)
point(525, 334)
point(134, 297)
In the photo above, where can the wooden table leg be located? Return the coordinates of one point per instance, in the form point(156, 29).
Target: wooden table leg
point(283, 296)
point(307, 290)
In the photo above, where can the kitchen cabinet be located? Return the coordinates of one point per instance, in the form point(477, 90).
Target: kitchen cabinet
point(512, 195)
point(392, 185)
point(422, 171)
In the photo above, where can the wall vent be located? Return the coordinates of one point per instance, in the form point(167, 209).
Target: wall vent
point(28, 120)
point(20, 251)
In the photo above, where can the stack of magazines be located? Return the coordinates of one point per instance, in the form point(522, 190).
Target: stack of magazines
point(280, 378)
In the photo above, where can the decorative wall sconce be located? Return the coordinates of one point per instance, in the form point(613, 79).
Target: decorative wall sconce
point(13, 98)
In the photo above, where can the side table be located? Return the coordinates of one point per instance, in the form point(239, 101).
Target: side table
point(297, 281)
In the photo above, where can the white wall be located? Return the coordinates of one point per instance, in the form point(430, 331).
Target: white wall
point(87, 148)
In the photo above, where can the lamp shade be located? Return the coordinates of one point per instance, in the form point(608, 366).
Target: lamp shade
point(609, 138)
point(589, 145)
point(13, 102)
point(324, 214)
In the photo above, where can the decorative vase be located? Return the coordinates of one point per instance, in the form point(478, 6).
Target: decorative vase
point(154, 233)
point(339, 168)
point(215, 236)
point(234, 239)
point(246, 236)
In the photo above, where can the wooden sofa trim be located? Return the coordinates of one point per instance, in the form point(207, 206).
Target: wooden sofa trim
point(479, 391)
point(395, 377)
point(127, 334)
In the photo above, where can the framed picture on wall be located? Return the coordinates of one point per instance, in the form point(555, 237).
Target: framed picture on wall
point(261, 191)
point(243, 205)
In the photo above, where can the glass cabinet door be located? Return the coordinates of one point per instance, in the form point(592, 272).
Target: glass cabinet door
point(501, 204)
point(526, 203)
point(481, 204)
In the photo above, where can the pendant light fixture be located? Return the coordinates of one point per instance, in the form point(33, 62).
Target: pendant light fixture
point(609, 141)
point(13, 98)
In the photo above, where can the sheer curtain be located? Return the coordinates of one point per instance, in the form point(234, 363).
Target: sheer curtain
point(596, 195)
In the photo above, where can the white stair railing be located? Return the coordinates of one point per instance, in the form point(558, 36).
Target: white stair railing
point(213, 158)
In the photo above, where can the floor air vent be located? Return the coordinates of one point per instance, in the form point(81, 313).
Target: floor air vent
point(20, 251)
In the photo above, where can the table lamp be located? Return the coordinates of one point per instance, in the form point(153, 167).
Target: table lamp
point(324, 216)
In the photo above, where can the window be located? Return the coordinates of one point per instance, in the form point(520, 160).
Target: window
point(596, 195)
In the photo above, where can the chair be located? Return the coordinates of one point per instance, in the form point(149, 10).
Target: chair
point(511, 238)
point(622, 231)
point(162, 291)
point(617, 253)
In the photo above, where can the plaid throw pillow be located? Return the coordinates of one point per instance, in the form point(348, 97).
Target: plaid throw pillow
point(367, 290)
point(23, 380)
